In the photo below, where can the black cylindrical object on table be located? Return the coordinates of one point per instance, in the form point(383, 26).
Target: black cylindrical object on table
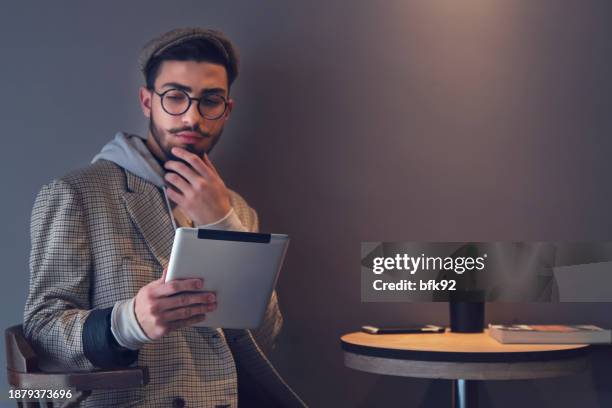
point(467, 317)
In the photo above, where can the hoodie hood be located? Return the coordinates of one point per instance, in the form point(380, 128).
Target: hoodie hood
point(131, 153)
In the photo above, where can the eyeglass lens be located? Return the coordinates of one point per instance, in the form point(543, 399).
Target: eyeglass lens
point(177, 102)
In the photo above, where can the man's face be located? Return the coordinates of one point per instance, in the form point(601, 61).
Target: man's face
point(189, 130)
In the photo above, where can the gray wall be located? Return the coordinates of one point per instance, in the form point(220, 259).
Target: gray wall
point(433, 120)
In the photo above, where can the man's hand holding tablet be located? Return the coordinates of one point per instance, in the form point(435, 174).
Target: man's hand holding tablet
point(162, 307)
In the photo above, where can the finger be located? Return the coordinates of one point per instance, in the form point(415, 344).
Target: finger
point(175, 196)
point(183, 313)
point(177, 286)
point(185, 300)
point(177, 182)
point(162, 279)
point(182, 169)
point(209, 164)
point(194, 161)
point(178, 324)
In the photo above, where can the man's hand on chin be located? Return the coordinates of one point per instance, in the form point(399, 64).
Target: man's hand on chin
point(198, 190)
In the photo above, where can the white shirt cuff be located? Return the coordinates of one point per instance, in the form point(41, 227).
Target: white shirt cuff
point(125, 326)
point(230, 222)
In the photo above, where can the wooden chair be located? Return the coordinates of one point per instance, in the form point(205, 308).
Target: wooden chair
point(23, 373)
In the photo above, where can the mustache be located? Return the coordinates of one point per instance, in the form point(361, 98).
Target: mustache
point(188, 129)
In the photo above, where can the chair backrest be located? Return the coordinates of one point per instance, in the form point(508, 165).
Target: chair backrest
point(20, 356)
point(23, 372)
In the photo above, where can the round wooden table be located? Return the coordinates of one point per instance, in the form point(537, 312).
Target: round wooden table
point(461, 357)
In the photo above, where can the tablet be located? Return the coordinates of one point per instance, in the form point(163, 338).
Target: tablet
point(241, 267)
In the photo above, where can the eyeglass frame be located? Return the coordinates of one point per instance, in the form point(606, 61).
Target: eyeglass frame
point(190, 99)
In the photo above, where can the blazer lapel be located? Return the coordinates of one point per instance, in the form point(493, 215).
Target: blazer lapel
point(147, 207)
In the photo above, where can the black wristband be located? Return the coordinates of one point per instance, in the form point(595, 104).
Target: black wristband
point(99, 343)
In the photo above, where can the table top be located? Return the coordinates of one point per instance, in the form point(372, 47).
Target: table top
point(459, 346)
point(459, 355)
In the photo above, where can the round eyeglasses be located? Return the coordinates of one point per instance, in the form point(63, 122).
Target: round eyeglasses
point(176, 102)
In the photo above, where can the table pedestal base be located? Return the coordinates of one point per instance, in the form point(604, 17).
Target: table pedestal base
point(465, 394)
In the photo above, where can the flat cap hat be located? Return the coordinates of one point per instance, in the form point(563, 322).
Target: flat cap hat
point(181, 35)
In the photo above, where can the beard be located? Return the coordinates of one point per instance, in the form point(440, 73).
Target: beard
point(160, 136)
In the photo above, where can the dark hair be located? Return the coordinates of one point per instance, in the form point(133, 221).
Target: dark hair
point(194, 50)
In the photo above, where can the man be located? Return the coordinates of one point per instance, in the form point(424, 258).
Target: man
point(102, 235)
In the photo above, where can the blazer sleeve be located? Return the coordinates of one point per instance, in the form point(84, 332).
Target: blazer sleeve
point(58, 319)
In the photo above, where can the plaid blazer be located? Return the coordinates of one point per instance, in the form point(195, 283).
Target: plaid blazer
point(98, 235)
